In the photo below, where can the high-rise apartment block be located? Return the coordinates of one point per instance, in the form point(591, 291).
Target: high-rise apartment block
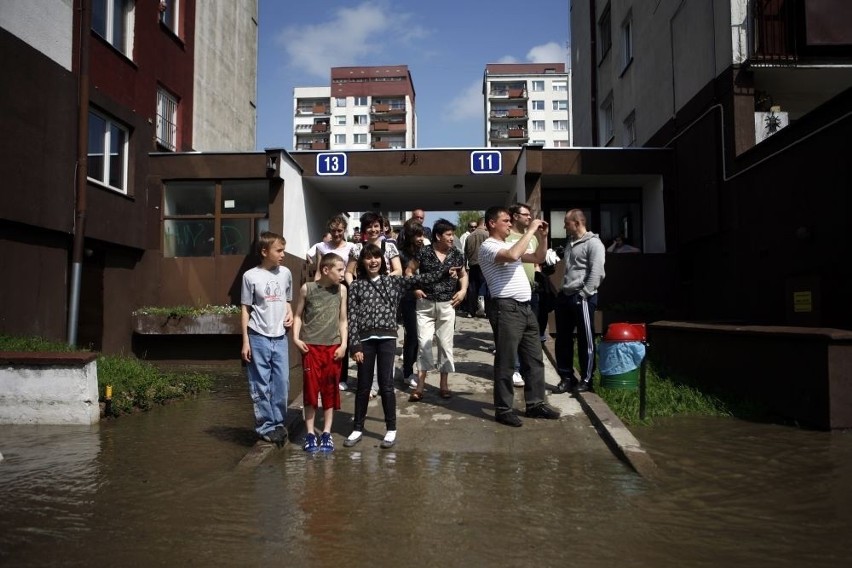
point(362, 108)
point(527, 103)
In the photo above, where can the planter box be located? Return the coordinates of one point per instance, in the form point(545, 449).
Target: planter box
point(49, 388)
point(207, 324)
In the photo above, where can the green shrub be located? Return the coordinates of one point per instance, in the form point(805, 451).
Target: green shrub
point(12, 343)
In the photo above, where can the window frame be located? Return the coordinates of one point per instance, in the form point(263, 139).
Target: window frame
point(626, 42)
point(537, 83)
point(361, 138)
point(106, 140)
point(170, 14)
point(534, 124)
point(110, 17)
point(560, 125)
point(605, 118)
point(629, 139)
point(361, 101)
point(167, 104)
point(360, 120)
point(537, 104)
point(557, 103)
point(340, 139)
point(605, 32)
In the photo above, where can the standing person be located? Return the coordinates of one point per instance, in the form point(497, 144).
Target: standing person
point(373, 303)
point(471, 227)
point(477, 289)
point(521, 218)
point(312, 258)
point(387, 231)
point(576, 303)
point(413, 242)
point(371, 224)
point(512, 319)
point(417, 216)
point(265, 297)
point(338, 245)
point(436, 304)
point(319, 333)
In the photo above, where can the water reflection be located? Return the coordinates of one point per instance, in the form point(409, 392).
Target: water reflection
point(163, 488)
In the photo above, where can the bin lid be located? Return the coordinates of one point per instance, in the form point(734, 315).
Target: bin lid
point(625, 332)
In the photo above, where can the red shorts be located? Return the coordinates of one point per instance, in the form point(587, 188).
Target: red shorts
point(321, 376)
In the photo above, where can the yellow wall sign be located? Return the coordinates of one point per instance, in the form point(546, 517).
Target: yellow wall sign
point(803, 302)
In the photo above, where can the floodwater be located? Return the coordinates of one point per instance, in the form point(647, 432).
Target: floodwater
point(164, 488)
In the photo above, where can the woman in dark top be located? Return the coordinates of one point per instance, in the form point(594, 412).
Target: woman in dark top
point(412, 243)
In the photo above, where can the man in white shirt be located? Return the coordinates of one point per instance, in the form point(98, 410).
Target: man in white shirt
point(512, 318)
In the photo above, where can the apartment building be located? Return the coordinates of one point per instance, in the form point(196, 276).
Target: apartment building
point(527, 103)
point(753, 99)
point(362, 108)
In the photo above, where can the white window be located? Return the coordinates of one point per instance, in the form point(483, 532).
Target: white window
point(361, 119)
point(112, 20)
point(166, 120)
point(537, 85)
point(169, 14)
point(537, 105)
point(561, 144)
point(560, 125)
point(627, 41)
point(360, 101)
point(360, 138)
point(605, 31)
point(340, 120)
point(340, 102)
point(560, 105)
point(560, 86)
point(538, 126)
point(108, 143)
point(339, 139)
point(605, 120)
point(630, 130)
point(537, 142)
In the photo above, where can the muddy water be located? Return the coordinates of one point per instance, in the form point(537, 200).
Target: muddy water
point(162, 488)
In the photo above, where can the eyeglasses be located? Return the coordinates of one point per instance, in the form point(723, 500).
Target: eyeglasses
point(471, 226)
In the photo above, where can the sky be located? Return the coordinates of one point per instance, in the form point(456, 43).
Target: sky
point(445, 43)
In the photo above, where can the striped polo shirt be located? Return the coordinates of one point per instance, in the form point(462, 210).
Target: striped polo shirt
point(505, 279)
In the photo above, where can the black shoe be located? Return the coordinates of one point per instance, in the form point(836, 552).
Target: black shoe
point(584, 386)
point(542, 410)
point(565, 385)
point(509, 419)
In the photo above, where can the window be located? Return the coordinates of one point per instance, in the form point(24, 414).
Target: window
point(207, 218)
point(538, 126)
point(537, 105)
point(630, 130)
point(605, 32)
point(360, 101)
point(561, 144)
point(560, 86)
point(169, 14)
point(361, 119)
point(560, 105)
point(537, 86)
point(340, 120)
point(627, 41)
point(108, 148)
point(560, 125)
point(360, 138)
point(166, 120)
point(340, 102)
point(339, 139)
point(605, 120)
point(111, 19)
point(537, 142)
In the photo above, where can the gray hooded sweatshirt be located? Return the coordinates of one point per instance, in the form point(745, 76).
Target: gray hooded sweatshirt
point(584, 265)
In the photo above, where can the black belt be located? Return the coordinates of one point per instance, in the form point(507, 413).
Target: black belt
point(527, 303)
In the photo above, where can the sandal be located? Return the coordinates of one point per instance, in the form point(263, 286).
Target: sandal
point(445, 393)
point(416, 396)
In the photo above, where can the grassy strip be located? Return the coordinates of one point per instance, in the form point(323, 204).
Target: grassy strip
point(186, 311)
point(664, 397)
point(135, 384)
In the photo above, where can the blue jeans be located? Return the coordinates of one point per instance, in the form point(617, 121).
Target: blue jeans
point(269, 380)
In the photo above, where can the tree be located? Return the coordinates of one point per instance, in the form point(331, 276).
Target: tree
point(464, 218)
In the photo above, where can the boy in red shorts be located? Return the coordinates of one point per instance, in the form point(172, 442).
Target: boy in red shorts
point(319, 332)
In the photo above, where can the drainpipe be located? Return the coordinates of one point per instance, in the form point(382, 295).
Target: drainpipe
point(82, 171)
point(593, 75)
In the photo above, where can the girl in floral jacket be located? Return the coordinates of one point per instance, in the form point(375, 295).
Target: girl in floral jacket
point(373, 301)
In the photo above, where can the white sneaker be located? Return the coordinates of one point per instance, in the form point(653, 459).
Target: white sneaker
point(344, 386)
point(412, 380)
point(517, 379)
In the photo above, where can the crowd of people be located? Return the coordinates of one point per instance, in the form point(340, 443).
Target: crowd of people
point(360, 292)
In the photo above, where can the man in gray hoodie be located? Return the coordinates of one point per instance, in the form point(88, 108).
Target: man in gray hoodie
point(576, 303)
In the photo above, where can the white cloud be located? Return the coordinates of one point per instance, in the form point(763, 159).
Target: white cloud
point(550, 52)
point(507, 59)
point(468, 104)
point(349, 37)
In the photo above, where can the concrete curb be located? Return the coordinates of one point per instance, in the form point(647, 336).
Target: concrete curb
point(612, 430)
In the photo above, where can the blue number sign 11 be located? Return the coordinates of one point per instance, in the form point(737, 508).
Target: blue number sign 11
point(486, 162)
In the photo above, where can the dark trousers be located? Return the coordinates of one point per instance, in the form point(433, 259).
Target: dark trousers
point(378, 354)
point(409, 342)
point(516, 332)
point(575, 312)
point(475, 280)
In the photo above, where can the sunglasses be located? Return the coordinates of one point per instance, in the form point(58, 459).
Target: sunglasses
point(471, 226)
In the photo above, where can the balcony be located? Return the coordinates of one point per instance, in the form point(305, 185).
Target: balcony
point(319, 127)
point(507, 93)
point(388, 107)
point(319, 145)
point(517, 134)
point(381, 145)
point(380, 126)
point(509, 114)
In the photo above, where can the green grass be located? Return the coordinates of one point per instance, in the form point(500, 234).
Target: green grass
point(135, 384)
point(185, 311)
point(664, 397)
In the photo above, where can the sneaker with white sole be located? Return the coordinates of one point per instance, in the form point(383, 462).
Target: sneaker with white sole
point(412, 380)
point(517, 379)
point(353, 438)
point(389, 440)
point(310, 443)
point(344, 386)
point(326, 443)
